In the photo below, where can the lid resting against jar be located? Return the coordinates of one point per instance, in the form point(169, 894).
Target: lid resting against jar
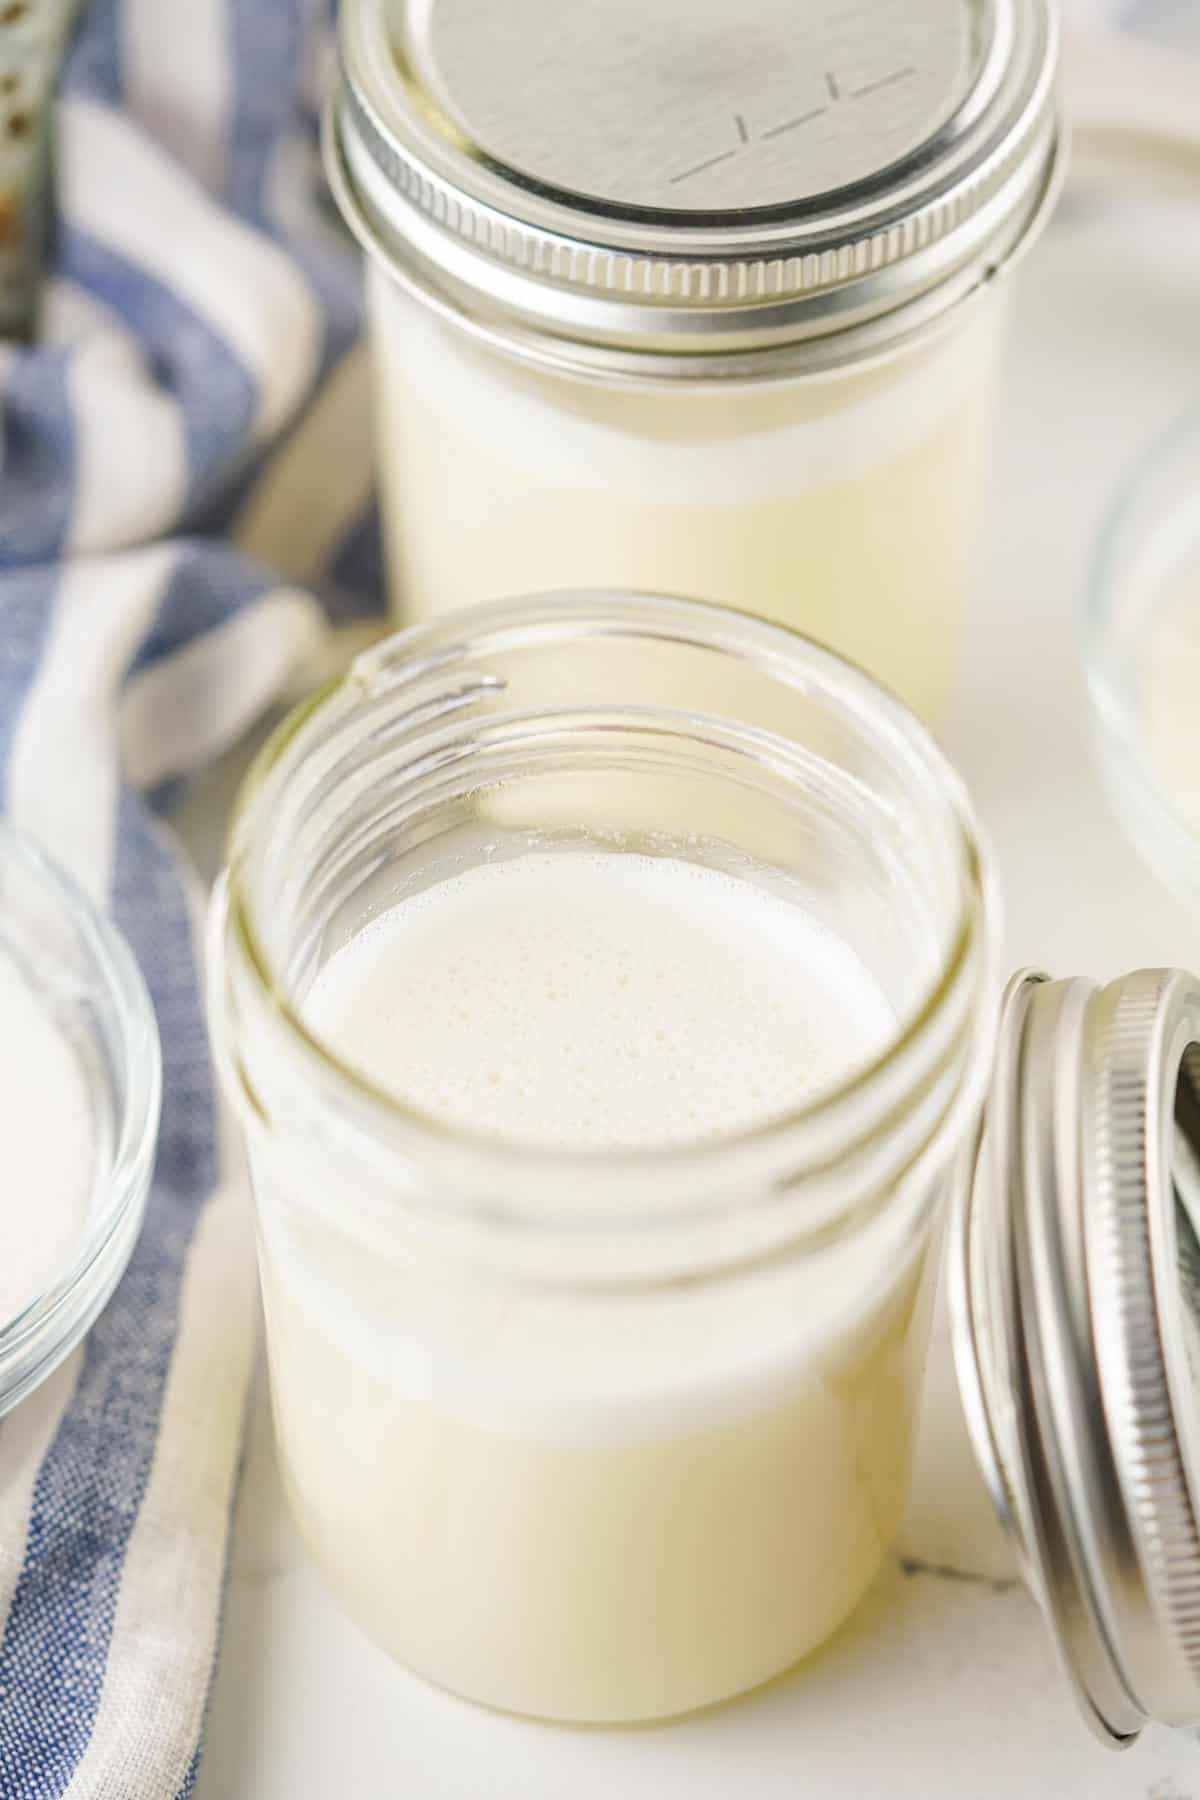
point(687, 175)
point(1075, 1286)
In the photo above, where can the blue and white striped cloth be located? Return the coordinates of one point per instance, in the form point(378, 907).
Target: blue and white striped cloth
point(185, 465)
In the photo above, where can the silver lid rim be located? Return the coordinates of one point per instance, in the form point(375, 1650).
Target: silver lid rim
point(1000, 1340)
point(1069, 1333)
point(1082, 1532)
point(830, 332)
point(668, 283)
point(1148, 1022)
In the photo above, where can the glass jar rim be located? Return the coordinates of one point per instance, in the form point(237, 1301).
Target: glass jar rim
point(539, 618)
point(1136, 529)
point(37, 1338)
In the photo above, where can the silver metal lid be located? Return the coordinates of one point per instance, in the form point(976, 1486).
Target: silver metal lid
point(1075, 1287)
point(687, 175)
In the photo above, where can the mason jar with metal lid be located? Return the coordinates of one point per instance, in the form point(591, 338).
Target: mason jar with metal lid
point(676, 296)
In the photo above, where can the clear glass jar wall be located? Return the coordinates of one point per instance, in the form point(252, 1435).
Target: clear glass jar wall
point(606, 1436)
point(97, 1054)
point(844, 502)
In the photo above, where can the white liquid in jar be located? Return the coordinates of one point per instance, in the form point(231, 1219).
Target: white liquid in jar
point(600, 1504)
point(591, 1000)
point(844, 504)
point(47, 1143)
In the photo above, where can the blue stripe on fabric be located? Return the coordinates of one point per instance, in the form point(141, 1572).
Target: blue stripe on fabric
point(150, 906)
point(214, 517)
point(168, 796)
point(193, 1772)
point(192, 1776)
point(26, 608)
point(328, 257)
point(187, 357)
point(325, 249)
point(93, 1479)
point(37, 488)
point(55, 1646)
point(269, 52)
point(93, 64)
point(266, 51)
point(211, 582)
point(356, 577)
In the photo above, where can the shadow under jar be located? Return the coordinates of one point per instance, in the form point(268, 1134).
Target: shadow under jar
point(609, 1434)
point(669, 297)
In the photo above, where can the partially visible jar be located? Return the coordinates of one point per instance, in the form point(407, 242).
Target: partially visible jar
point(1142, 651)
point(668, 300)
point(81, 1069)
point(608, 1436)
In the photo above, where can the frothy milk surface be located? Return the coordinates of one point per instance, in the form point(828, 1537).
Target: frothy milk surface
point(592, 1000)
point(47, 1143)
point(573, 1499)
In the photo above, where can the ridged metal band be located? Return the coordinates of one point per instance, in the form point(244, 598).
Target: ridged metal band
point(1071, 1322)
point(1082, 1541)
point(1020, 162)
point(438, 211)
point(1146, 1025)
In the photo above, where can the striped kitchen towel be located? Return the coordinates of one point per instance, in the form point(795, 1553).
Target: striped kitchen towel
point(185, 467)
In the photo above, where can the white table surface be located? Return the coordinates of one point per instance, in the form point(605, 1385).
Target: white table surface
point(943, 1684)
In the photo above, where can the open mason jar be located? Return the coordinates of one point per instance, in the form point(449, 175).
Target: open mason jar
point(677, 298)
point(604, 1435)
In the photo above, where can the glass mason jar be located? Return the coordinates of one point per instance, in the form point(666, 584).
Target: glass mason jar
point(84, 989)
point(605, 1435)
point(1142, 654)
point(670, 301)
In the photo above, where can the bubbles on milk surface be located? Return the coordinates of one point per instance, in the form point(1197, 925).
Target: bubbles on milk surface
point(589, 999)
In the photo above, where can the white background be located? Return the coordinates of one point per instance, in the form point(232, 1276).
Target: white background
point(943, 1683)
